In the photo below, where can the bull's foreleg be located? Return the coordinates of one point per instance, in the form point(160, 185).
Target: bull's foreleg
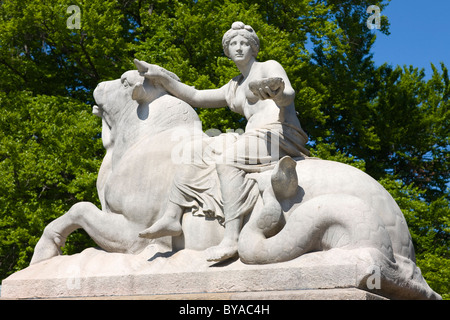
point(112, 232)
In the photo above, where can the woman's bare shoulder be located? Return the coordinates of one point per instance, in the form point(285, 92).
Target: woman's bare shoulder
point(272, 68)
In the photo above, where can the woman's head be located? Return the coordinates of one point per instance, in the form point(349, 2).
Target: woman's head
point(239, 28)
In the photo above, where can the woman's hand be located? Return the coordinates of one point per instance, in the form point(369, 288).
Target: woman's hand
point(267, 88)
point(150, 71)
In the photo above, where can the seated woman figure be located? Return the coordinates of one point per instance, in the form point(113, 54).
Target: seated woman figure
point(263, 94)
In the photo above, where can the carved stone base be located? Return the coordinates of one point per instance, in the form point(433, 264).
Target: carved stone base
point(333, 274)
point(312, 294)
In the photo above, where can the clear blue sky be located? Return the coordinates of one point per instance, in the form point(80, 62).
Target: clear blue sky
point(420, 34)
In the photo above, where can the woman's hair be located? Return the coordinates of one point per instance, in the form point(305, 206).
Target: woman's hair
point(239, 28)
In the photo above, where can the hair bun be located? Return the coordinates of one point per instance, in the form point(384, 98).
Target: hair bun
point(238, 25)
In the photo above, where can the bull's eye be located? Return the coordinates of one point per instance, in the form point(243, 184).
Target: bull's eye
point(125, 82)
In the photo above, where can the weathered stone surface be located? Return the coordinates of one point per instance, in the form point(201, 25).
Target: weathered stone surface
point(309, 294)
point(95, 273)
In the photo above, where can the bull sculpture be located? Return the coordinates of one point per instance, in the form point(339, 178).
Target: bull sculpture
point(136, 170)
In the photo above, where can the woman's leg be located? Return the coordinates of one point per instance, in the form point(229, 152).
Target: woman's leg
point(239, 195)
point(168, 225)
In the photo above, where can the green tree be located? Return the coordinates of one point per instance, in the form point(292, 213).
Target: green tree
point(40, 54)
point(412, 128)
point(48, 162)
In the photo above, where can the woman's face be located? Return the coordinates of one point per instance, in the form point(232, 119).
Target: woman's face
point(240, 50)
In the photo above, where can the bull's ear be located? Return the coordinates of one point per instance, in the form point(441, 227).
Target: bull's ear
point(138, 92)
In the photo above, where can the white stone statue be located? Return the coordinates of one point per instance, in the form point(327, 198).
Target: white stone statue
point(257, 196)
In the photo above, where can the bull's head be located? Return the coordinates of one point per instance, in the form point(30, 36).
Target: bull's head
point(115, 97)
point(118, 101)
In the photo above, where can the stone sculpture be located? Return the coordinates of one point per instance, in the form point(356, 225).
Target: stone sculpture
point(165, 184)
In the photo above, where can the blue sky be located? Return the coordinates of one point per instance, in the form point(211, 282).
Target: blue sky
point(420, 34)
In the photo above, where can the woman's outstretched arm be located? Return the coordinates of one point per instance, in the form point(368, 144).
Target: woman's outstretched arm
point(210, 98)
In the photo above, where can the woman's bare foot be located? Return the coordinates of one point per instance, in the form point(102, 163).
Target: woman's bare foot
point(165, 226)
point(225, 250)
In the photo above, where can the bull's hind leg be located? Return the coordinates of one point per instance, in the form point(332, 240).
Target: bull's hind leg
point(112, 232)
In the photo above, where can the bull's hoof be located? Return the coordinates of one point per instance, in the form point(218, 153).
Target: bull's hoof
point(48, 246)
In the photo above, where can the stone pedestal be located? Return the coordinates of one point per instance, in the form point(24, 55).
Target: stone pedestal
point(311, 294)
point(335, 274)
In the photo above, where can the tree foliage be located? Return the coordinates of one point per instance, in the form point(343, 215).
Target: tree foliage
point(48, 162)
point(390, 121)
